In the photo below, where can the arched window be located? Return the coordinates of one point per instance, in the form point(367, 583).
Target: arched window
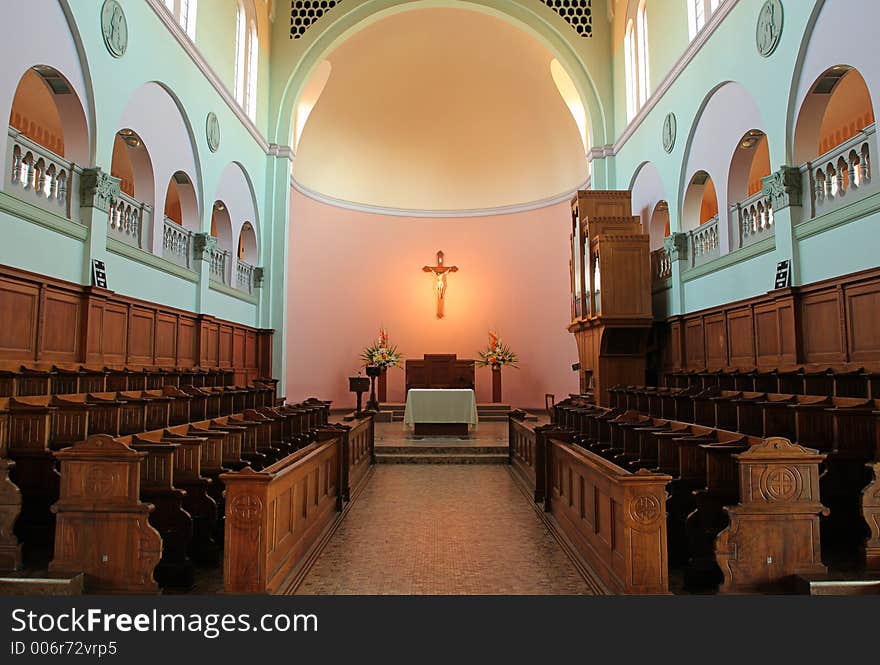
point(247, 58)
point(643, 71)
point(629, 56)
point(185, 12)
point(699, 12)
point(250, 105)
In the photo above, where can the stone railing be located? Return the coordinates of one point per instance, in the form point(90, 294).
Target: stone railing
point(753, 218)
point(177, 244)
point(128, 218)
point(661, 266)
point(703, 242)
point(220, 261)
point(244, 278)
point(841, 175)
point(39, 176)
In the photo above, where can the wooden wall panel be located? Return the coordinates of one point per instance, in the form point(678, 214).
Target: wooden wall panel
point(822, 333)
point(834, 323)
point(18, 303)
point(61, 332)
point(716, 341)
point(141, 328)
point(741, 337)
point(60, 322)
point(166, 340)
point(863, 333)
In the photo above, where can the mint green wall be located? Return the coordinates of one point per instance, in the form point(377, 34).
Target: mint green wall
point(215, 37)
point(40, 250)
point(854, 246)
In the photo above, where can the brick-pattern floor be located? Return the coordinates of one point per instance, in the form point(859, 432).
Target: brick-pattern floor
point(442, 530)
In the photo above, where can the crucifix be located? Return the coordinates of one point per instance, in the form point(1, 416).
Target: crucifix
point(440, 271)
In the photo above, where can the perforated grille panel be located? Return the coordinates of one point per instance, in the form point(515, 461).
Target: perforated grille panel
point(578, 13)
point(304, 13)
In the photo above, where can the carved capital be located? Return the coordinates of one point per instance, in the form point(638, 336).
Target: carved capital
point(783, 188)
point(259, 276)
point(203, 245)
point(98, 189)
point(676, 246)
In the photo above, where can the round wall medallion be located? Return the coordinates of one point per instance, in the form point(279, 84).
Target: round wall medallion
point(212, 132)
point(670, 127)
point(769, 29)
point(114, 28)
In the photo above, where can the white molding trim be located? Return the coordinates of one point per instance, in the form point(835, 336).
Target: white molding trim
point(437, 214)
point(680, 65)
point(195, 55)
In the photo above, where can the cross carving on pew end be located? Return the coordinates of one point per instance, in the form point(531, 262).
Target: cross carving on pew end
point(440, 271)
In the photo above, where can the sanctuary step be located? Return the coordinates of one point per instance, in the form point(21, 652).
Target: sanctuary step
point(487, 445)
point(393, 412)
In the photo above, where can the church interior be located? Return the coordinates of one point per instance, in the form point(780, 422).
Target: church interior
point(439, 297)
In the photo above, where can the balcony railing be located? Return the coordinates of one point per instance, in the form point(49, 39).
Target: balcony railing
point(841, 175)
point(128, 218)
point(177, 244)
point(220, 262)
point(39, 176)
point(754, 219)
point(703, 242)
point(244, 279)
point(661, 266)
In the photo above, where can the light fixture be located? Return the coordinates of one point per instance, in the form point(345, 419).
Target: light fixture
point(751, 139)
point(131, 139)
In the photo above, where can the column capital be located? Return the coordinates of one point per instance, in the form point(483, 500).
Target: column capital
point(203, 245)
point(259, 276)
point(784, 188)
point(98, 189)
point(676, 246)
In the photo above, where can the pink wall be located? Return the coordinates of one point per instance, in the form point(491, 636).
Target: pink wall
point(351, 272)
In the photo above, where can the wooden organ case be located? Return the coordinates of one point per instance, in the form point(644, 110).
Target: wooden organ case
point(611, 291)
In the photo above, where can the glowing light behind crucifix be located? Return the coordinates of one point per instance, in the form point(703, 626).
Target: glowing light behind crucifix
point(440, 271)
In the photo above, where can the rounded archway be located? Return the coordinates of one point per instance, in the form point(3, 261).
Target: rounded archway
point(221, 229)
point(752, 213)
point(659, 226)
point(247, 245)
point(181, 204)
point(131, 163)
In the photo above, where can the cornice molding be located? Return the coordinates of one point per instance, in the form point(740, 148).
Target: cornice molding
point(437, 214)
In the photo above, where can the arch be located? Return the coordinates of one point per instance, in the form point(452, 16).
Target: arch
point(235, 189)
point(46, 109)
point(843, 37)
point(181, 203)
point(837, 106)
point(247, 244)
point(221, 225)
point(648, 191)
point(570, 96)
point(311, 93)
point(131, 163)
point(749, 165)
point(367, 12)
point(700, 201)
point(659, 227)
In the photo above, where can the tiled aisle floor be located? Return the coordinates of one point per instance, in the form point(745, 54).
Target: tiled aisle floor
point(444, 529)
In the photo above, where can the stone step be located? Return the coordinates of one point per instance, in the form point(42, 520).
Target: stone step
point(440, 449)
point(822, 585)
point(423, 458)
point(42, 586)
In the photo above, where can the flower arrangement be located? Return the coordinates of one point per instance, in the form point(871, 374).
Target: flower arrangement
point(381, 353)
point(497, 354)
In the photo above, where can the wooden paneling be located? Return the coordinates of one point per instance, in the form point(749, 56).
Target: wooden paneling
point(60, 322)
point(835, 323)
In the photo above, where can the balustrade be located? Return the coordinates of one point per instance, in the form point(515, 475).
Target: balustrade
point(220, 260)
point(245, 277)
point(843, 173)
point(177, 244)
point(661, 266)
point(704, 242)
point(754, 219)
point(41, 177)
point(128, 217)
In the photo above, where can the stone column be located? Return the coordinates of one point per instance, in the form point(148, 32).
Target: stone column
point(783, 190)
point(98, 191)
point(676, 246)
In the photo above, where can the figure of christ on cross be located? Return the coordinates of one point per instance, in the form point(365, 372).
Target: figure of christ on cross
point(440, 271)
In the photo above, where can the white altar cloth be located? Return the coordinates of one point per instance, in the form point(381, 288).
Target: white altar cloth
point(440, 406)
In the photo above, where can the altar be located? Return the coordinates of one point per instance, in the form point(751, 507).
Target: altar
point(440, 412)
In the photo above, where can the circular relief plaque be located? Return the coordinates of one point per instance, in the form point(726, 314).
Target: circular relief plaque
point(769, 29)
point(212, 132)
point(114, 27)
point(670, 128)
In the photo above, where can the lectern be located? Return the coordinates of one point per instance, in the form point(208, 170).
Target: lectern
point(611, 291)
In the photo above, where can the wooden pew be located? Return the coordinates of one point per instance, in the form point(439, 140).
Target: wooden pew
point(275, 516)
point(103, 528)
point(10, 499)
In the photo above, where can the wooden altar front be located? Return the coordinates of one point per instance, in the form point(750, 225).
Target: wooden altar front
point(440, 371)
